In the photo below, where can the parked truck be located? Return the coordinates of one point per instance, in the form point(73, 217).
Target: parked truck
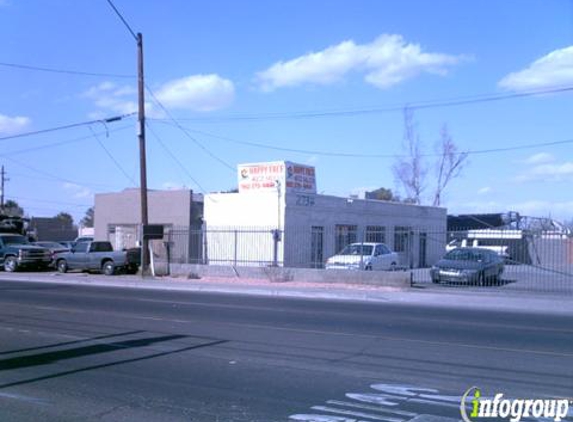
point(17, 252)
point(98, 256)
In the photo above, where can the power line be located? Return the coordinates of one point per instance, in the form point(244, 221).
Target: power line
point(358, 155)
point(64, 71)
point(122, 19)
point(57, 144)
point(111, 157)
point(56, 177)
point(174, 158)
point(194, 140)
point(45, 209)
point(54, 129)
point(420, 105)
point(75, 204)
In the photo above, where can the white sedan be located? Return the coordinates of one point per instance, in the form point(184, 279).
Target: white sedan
point(367, 256)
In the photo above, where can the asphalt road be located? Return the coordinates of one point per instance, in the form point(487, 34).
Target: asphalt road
point(111, 354)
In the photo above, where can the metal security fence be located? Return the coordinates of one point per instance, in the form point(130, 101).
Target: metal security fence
point(539, 261)
point(533, 260)
point(295, 246)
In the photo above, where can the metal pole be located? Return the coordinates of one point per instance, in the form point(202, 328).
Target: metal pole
point(3, 180)
point(142, 158)
point(235, 254)
point(362, 249)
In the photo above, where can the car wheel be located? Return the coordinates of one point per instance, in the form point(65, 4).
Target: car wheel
point(393, 266)
point(108, 268)
point(368, 267)
point(10, 264)
point(436, 280)
point(62, 266)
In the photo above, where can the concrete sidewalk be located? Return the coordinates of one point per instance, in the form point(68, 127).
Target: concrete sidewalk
point(460, 298)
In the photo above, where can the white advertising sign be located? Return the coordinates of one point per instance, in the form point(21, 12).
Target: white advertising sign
point(292, 177)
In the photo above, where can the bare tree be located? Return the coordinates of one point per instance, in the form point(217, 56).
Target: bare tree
point(450, 163)
point(409, 170)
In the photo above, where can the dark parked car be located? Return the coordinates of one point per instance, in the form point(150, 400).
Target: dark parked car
point(16, 252)
point(468, 265)
point(54, 248)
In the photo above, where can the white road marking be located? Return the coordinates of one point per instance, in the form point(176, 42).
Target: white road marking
point(321, 418)
point(373, 408)
point(357, 414)
point(385, 405)
point(23, 398)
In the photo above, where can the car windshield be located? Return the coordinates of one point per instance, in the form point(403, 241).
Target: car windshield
point(463, 255)
point(357, 250)
point(14, 240)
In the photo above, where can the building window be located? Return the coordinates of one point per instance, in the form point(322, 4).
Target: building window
point(317, 246)
point(344, 235)
point(375, 234)
point(401, 238)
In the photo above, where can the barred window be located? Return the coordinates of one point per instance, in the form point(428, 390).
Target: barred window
point(344, 235)
point(375, 234)
point(401, 238)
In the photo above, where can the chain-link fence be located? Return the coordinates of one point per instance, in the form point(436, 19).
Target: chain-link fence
point(532, 260)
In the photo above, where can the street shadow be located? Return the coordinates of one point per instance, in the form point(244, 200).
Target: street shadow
point(119, 362)
point(52, 357)
point(67, 343)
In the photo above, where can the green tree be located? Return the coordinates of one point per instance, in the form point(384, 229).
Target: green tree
point(11, 207)
point(66, 219)
point(382, 194)
point(88, 220)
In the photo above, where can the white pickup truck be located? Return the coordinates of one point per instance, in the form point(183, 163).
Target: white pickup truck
point(477, 243)
point(493, 239)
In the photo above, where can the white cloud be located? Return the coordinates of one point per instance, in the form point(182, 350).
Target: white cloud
point(109, 97)
point(541, 158)
point(554, 209)
point(554, 172)
point(12, 125)
point(386, 61)
point(311, 160)
point(554, 69)
point(78, 191)
point(484, 190)
point(197, 93)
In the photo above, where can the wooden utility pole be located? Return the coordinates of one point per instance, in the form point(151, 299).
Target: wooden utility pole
point(142, 157)
point(4, 179)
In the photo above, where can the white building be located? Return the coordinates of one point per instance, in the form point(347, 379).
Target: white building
point(282, 195)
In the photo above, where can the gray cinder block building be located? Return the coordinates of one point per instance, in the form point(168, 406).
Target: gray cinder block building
point(282, 196)
point(117, 215)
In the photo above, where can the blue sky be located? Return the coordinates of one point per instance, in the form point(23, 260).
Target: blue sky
point(236, 72)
